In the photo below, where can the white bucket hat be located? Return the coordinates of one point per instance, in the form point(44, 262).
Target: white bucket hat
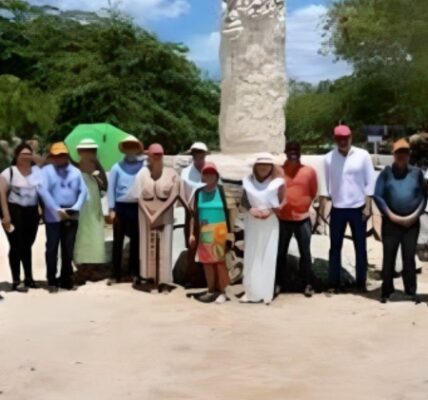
point(87, 144)
point(198, 146)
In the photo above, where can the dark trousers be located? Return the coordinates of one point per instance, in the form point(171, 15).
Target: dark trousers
point(393, 236)
point(339, 219)
point(302, 232)
point(60, 234)
point(126, 224)
point(21, 240)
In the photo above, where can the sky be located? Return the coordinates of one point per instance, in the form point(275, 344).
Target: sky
point(196, 23)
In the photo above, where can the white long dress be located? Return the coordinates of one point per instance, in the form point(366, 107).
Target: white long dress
point(261, 240)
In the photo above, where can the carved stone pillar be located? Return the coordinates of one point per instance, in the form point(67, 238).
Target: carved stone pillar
point(253, 89)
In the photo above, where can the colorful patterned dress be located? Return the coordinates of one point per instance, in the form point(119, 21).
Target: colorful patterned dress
point(212, 227)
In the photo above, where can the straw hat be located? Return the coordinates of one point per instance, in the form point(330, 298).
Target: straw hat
point(131, 140)
point(265, 158)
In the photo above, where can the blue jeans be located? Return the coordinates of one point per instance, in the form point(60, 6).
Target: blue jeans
point(339, 219)
point(64, 234)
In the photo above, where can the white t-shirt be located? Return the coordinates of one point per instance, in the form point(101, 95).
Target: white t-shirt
point(349, 179)
point(23, 189)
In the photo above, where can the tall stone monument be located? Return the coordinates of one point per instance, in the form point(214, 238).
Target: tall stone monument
point(254, 88)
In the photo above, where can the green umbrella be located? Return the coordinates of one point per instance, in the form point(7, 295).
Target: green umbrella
point(105, 135)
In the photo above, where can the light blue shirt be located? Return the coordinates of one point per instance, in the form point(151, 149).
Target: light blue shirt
point(61, 188)
point(120, 182)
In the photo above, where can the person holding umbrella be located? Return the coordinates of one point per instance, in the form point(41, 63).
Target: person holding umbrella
point(63, 192)
point(157, 188)
point(124, 207)
point(90, 243)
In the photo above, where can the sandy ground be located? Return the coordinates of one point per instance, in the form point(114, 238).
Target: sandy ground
point(116, 343)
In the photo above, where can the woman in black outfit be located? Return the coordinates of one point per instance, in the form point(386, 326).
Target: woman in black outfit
point(21, 213)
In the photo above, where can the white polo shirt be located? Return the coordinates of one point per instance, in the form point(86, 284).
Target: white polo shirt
point(349, 179)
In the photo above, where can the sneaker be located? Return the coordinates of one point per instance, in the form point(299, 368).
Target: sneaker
point(244, 299)
point(221, 299)
point(19, 287)
point(309, 291)
point(384, 300)
point(207, 297)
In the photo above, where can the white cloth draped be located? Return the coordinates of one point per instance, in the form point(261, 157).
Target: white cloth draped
point(261, 240)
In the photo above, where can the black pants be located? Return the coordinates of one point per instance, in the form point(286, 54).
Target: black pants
point(21, 240)
point(302, 232)
point(393, 236)
point(64, 234)
point(126, 224)
point(339, 219)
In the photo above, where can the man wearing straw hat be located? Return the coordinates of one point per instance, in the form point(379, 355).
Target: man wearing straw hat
point(400, 195)
point(63, 193)
point(124, 207)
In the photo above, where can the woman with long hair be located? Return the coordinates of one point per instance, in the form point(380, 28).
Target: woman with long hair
point(21, 214)
point(263, 193)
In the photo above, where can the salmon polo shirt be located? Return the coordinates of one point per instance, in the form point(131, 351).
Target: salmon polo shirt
point(300, 190)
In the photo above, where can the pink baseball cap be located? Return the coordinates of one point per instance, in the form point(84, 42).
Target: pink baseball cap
point(155, 148)
point(342, 131)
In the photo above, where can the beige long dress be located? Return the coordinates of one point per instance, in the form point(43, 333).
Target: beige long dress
point(158, 196)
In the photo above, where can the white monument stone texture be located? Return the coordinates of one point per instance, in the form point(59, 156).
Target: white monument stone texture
point(254, 88)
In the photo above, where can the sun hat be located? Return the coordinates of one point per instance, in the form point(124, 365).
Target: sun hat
point(401, 144)
point(265, 158)
point(87, 144)
point(156, 148)
point(130, 139)
point(342, 131)
point(58, 148)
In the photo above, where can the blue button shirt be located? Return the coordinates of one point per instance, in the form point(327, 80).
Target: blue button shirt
point(61, 188)
point(401, 192)
point(120, 181)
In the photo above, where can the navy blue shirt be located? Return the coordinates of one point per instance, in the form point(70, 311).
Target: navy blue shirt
point(401, 191)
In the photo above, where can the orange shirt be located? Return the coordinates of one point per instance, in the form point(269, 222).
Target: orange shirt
point(300, 190)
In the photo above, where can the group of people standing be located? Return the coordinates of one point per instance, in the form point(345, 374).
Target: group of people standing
point(142, 193)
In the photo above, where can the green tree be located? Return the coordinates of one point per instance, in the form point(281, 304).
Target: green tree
point(24, 111)
point(108, 69)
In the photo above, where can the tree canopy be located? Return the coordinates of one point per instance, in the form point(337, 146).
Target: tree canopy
point(385, 42)
point(66, 68)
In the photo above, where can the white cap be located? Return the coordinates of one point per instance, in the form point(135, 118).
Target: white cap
point(87, 144)
point(199, 146)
